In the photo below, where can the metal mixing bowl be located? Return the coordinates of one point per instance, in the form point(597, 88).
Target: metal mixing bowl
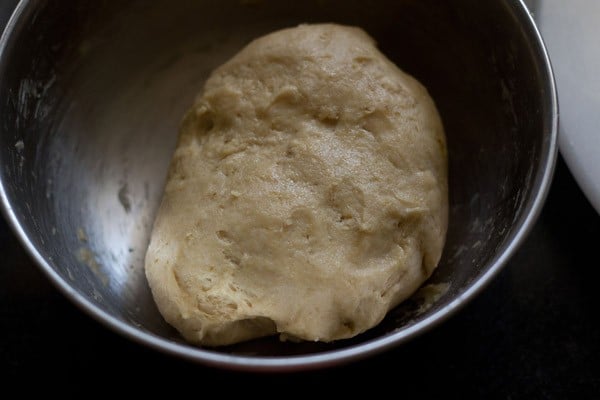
point(93, 91)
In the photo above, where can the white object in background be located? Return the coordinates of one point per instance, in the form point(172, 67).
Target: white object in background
point(571, 31)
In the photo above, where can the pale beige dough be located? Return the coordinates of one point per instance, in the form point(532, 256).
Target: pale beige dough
point(307, 195)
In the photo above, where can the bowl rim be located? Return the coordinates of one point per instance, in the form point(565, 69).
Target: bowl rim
point(209, 357)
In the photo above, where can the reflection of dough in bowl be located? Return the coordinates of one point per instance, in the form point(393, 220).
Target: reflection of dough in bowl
point(307, 195)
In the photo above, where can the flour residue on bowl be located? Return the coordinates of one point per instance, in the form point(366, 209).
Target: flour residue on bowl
point(81, 236)
point(428, 295)
point(20, 146)
point(88, 258)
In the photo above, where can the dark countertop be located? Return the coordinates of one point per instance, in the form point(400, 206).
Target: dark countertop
point(533, 333)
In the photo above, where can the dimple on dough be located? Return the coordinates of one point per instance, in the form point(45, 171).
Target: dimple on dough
point(307, 195)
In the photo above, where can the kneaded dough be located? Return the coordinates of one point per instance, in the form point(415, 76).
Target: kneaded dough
point(307, 195)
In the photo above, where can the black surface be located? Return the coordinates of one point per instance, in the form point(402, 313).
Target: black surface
point(533, 333)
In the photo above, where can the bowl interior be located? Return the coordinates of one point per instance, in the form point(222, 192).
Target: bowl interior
point(93, 92)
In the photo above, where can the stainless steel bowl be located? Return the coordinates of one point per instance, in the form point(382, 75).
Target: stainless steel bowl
point(92, 94)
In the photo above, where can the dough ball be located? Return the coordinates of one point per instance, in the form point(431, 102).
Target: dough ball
point(307, 195)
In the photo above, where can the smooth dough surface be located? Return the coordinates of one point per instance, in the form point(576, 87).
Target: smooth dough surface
point(307, 195)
